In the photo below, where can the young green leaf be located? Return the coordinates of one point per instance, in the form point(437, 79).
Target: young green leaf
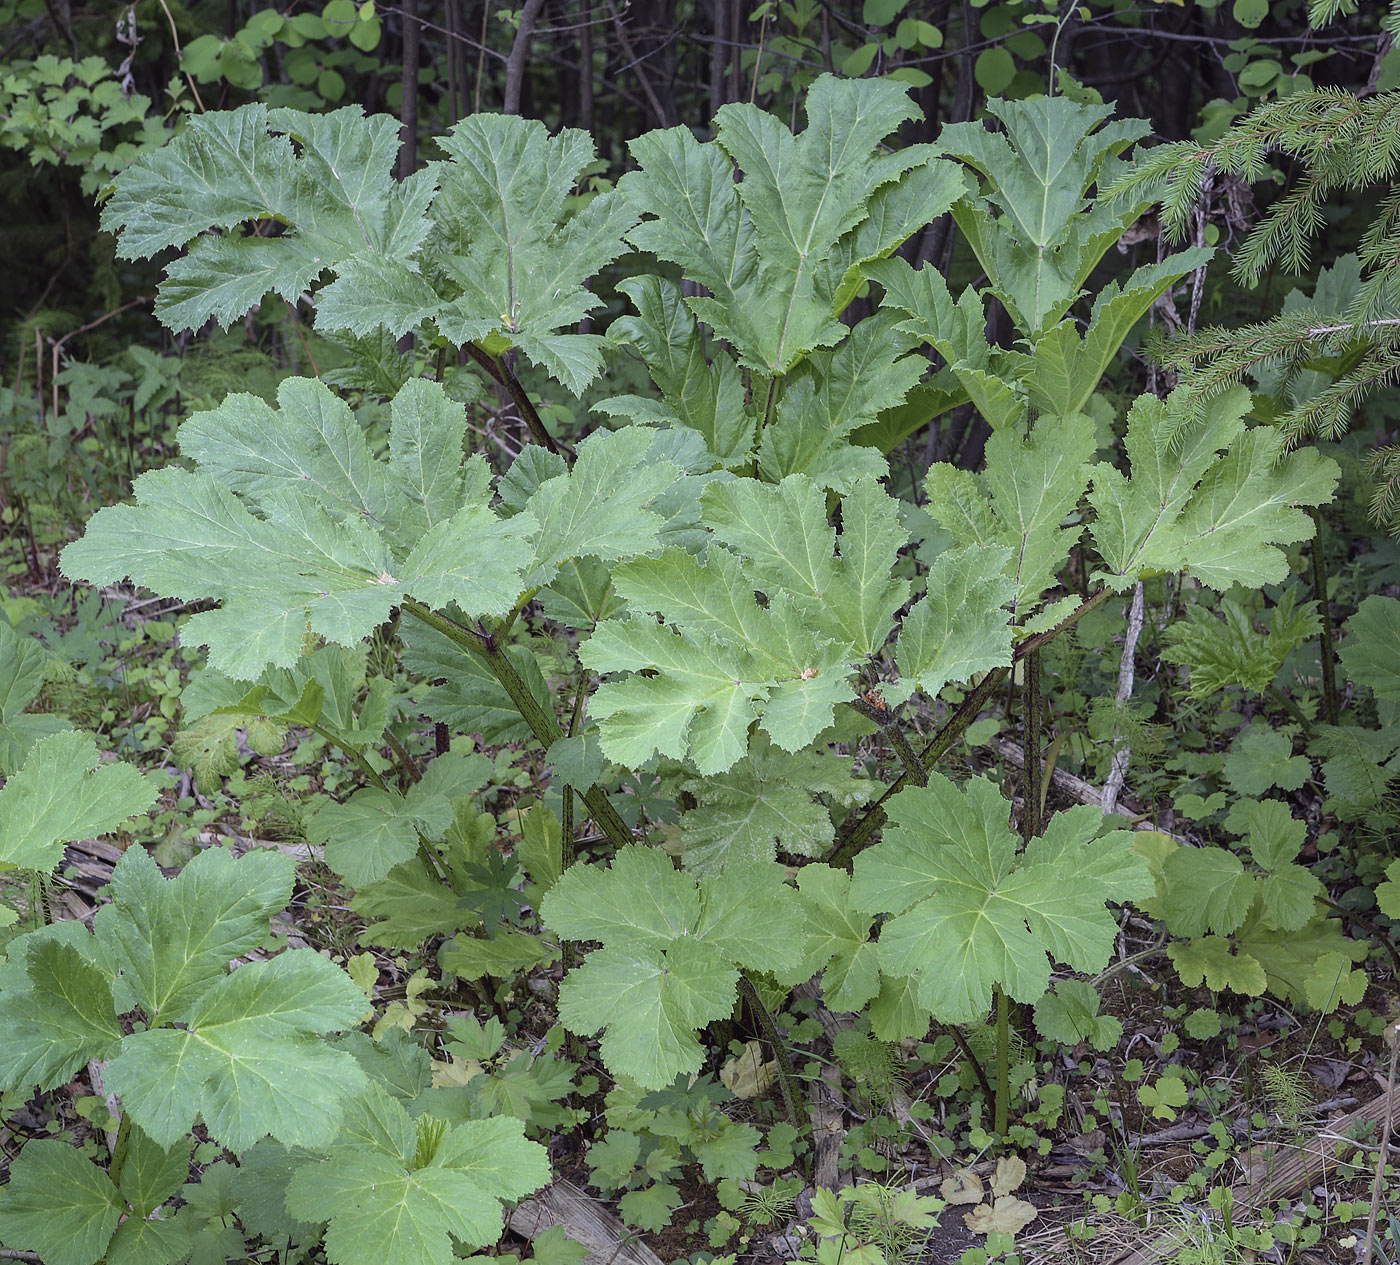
point(62, 793)
point(971, 913)
point(1217, 503)
point(670, 949)
point(400, 1192)
point(59, 1204)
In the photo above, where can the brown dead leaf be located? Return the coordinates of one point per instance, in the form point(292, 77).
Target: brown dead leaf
point(747, 1075)
point(962, 1188)
point(1008, 1214)
point(1011, 1172)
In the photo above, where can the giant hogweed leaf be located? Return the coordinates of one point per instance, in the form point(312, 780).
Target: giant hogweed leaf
point(279, 525)
point(1046, 236)
point(62, 1016)
point(601, 507)
point(376, 830)
point(1217, 503)
point(59, 1204)
point(958, 332)
point(1371, 651)
point(63, 793)
point(1020, 500)
point(971, 913)
point(502, 248)
point(170, 937)
point(22, 662)
point(766, 803)
point(960, 626)
point(707, 396)
point(334, 191)
point(1065, 369)
point(671, 946)
point(838, 940)
point(831, 396)
point(767, 249)
point(249, 1060)
point(401, 1192)
point(724, 661)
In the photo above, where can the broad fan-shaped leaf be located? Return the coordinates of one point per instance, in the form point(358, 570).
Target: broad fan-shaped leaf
point(59, 1204)
point(671, 946)
point(170, 938)
point(765, 804)
point(22, 663)
point(288, 523)
point(1371, 651)
point(971, 913)
point(838, 940)
point(62, 1016)
point(400, 1192)
point(63, 793)
point(775, 250)
point(723, 660)
point(1036, 234)
point(1218, 502)
point(1020, 501)
point(249, 1061)
point(481, 244)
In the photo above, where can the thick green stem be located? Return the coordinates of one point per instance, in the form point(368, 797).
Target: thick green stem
point(541, 720)
point(518, 395)
point(357, 757)
point(119, 1149)
point(889, 722)
point(1003, 1065)
point(1032, 771)
point(858, 834)
point(793, 1103)
point(1331, 705)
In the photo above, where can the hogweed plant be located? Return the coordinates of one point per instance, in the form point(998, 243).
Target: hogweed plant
point(714, 594)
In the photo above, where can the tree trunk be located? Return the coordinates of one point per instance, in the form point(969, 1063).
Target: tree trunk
point(520, 55)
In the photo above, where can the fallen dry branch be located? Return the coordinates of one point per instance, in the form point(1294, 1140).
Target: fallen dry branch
point(585, 1221)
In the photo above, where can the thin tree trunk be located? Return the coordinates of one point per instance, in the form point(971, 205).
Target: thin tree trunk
point(585, 67)
point(454, 81)
point(520, 55)
point(408, 136)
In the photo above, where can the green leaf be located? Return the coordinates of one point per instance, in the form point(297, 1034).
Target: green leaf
point(1371, 650)
point(375, 831)
point(1212, 960)
point(62, 793)
point(726, 661)
point(503, 956)
point(959, 628)
point(1020, 501)
point(1388, 893)
point(1217, 503)
point(972, 914)
point(1207, 889)
point(334, 191)
point(838, 940)
point(139, 1242)
point(1036, 234)
point(282, 524)
point(152, 1173)
point(59, 1204)
point(22, 664)
point(1261, 758)
point(1070, 1015)
point(171, 938)
point(650, 1208)
point(764, 804)
point(1227, 651)
point(407, 906)
point(61, 1016)
point(599, 508)
point(402, 1196)
point(767, 249)
point(1065, 369)
point(670, 947)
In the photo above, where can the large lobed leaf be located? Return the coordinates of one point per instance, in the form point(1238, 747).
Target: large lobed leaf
point(485, 245)
point(973, 913)
point(670, 949)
